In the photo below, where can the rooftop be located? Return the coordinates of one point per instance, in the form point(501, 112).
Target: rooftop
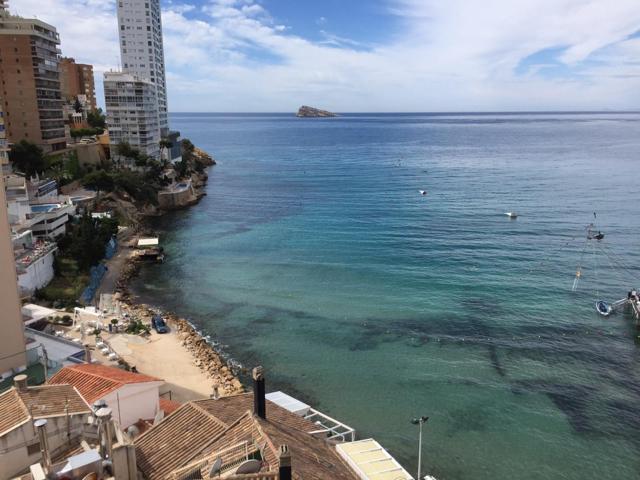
point(94, 381)
point(201, 429)
point(45, 401)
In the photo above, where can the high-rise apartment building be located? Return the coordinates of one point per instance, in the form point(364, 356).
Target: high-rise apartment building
point(30, 90)
point(76, 79)
point(132, 112)
point(141, 48)
point(12, 342)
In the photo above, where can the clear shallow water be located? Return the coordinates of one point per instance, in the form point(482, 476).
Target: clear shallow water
point(314, 255)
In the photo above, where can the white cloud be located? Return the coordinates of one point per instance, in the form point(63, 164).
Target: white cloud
point(454, 55)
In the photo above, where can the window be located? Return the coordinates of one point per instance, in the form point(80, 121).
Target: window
point(33, 448)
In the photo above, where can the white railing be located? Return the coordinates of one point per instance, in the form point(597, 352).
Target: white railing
point(334, 429)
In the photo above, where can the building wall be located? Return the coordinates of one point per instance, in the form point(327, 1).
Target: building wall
point(14, 451)
point(90, 153)
point(12, 338)
point(31, 82)
point(132, 402)
point(87, 84)
point(37, 275)
point(19, 89)
point(169, 199)
point(77, 79)
point(141, 48)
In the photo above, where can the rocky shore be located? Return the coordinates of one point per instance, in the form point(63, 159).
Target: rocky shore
point(203, 353)
point(135, 212)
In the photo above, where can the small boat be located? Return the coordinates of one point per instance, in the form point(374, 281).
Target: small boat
point(603, 308)
point(511, 214)
point(422, 192)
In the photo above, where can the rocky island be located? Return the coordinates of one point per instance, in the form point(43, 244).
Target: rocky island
point(310, 112)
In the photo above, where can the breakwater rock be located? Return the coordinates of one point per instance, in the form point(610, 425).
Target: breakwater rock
point(310, 112)
point(206, 358)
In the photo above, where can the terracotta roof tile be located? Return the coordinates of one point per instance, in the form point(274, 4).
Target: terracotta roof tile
point(95, 381)
point(53, 400)
point(169, 406)
point(203, 427)
point(13, 411)
point(44, 401)
point(228, 409)
point(176, 440)
point(312, 458)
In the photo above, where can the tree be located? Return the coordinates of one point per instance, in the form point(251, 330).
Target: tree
point(77, 106)
point(124, 149)
point(27, 158)
point(84, 132)
point(100, 180)
point(187, 145)
point(141, 160)
point(96, 119)
point(181, 168)
point(165, 143)
point(89, 239)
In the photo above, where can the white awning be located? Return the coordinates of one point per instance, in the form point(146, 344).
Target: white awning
point(148, 242)
point(370, 461)
point(288, 402)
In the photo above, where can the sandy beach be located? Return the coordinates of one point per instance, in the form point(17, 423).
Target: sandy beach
point(184, 360)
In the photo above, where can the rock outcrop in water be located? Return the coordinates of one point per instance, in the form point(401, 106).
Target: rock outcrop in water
point(310, 112)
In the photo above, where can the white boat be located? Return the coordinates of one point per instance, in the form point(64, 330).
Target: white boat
point(422, 192)
point(511, 214)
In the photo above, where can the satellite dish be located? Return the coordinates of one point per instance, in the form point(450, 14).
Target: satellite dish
point(250, 466)
point(216, 467)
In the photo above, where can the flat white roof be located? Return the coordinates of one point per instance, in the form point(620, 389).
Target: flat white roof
point(371, 461)
point(148, 242)
point(37, 312)
point(288, 402)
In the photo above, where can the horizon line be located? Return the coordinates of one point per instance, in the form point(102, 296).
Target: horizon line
point(444, 112)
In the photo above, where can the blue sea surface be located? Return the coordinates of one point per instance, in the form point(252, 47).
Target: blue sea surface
point(315, 255)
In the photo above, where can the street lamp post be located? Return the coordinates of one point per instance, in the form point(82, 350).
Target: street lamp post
point(420, 421)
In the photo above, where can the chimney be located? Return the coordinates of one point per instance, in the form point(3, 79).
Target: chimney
point(105, 431)
point(87, 353)
point(41, 427)
point(284, 461)
point(20, 382)
point(259, 402)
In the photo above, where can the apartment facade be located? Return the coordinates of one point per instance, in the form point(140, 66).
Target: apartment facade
point(12, 343)
point(29, 70)
point(76, 81)
point(142, 50)
point(132, 113)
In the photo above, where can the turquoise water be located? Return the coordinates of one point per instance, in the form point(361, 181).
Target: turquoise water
point(314, 254)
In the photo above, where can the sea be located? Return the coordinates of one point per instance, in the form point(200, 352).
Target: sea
point(315, 255)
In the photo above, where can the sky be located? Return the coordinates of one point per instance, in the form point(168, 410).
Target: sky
point(375, 55)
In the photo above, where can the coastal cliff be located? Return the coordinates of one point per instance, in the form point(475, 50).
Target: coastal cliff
point(310, 112)
point(153, 189)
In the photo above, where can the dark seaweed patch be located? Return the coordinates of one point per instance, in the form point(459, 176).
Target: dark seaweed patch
point(572, 400)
